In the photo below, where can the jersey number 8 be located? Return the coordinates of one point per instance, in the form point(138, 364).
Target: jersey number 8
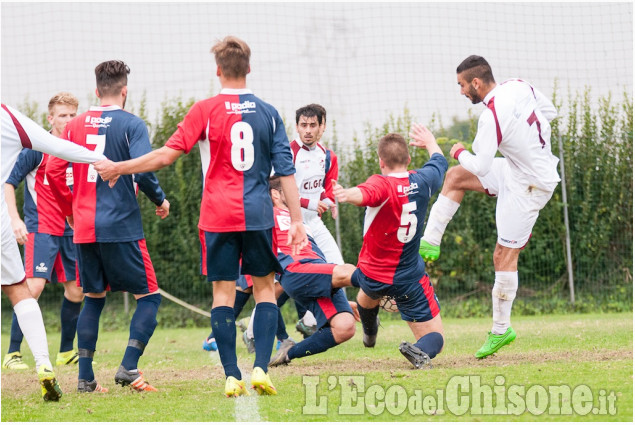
point(242, 152)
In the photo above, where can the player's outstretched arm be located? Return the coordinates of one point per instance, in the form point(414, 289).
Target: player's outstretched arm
point(351, 195)
point(152, 161)
point(423, 138)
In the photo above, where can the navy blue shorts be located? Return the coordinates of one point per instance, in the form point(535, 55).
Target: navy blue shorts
point(231, 254)
point(416, 301)
point(50, 257)
point(244, 282)
point(309, 283)
point(116, 266)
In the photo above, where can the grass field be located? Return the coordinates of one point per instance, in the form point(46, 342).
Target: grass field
point(584, 361)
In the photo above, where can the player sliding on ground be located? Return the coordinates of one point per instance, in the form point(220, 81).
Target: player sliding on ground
point(516, 123)
point(314, 283)
point(389, 262)
point(241, 138)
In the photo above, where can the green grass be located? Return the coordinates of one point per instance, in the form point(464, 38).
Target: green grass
point(573, 350)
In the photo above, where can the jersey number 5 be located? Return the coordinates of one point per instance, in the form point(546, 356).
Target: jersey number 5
point(242, 153)
point(408, 226)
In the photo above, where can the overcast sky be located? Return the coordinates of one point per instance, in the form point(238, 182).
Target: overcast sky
point(362, 61)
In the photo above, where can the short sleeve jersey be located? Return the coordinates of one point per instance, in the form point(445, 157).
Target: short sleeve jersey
point(42, 213)
point(310, 252)
point(101, 213)
point(316, 168)
point(240, 138)
point(395, 214)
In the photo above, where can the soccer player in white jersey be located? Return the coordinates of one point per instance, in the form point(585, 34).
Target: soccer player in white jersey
point(316, 167)
point(19, 132)
point(516, 123)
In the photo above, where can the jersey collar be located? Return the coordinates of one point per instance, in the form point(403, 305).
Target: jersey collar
point(398, 175)
point(236, 91)
point(104, 108)
point(490, 95)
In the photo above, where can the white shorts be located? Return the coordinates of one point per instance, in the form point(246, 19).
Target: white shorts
point(517, 207)
point(322, 237)
point(12, 269)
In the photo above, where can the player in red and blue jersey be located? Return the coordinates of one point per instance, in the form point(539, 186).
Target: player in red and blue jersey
point(49, 253)
point(389, 262)
point(240, 138)
point(112, 251)
point(314, 283)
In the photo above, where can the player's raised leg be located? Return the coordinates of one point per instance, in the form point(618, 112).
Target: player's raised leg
point(457, 181)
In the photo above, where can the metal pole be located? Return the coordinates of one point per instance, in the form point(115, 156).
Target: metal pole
point(566, 223)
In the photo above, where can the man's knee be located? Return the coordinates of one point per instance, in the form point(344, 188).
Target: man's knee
point(505, 258)
point(343, 327)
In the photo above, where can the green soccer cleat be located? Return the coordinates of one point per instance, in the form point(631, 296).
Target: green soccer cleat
point(14, 361)
point(495, 343)
point(50, 389)
point(235, 387)
point(428, 251)
point(261, 382)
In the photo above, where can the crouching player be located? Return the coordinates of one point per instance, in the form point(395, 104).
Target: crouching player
point(315, 284)
point(389, 261)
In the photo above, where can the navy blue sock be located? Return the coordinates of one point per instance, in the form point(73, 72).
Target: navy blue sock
point(281, 331)
point(16, 335)
point(239, 302)
point(68, 316)
point(319, 342)
point(431, 344)
point(87, 333)
point(224, 330)
point(300, 309)
point(265, 324)
point(282, 299)
point(142, 325)
point(368, 316)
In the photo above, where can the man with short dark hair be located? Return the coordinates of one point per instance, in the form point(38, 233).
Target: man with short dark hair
point(396, 202)
point(111, 248)
point(516, 123)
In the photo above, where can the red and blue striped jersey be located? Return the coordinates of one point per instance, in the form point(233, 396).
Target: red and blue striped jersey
point(240, 138)
point(102, 214)
point(310, 252)
point(41, 212)
point(395, 214)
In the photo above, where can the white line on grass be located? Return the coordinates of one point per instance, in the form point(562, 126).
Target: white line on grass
point(246, 407)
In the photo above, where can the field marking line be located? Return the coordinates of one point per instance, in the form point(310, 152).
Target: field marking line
point(246, 407)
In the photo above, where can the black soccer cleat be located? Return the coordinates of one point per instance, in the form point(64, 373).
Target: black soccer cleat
point(418, 358)
point(84, 386)
point(281, 357)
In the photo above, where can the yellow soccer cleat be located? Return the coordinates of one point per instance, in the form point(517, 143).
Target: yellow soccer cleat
point(235, 387)
point(50, 389)
point(67, 357)
point(14, 361)
point(261, 382)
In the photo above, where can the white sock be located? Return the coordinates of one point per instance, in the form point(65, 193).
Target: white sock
point(309, 319)
point(30, 320)
point(503, 294)
point(440, 215)
point(250, 327)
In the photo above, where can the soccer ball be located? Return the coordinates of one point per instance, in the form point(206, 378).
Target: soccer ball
point(388, 304)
